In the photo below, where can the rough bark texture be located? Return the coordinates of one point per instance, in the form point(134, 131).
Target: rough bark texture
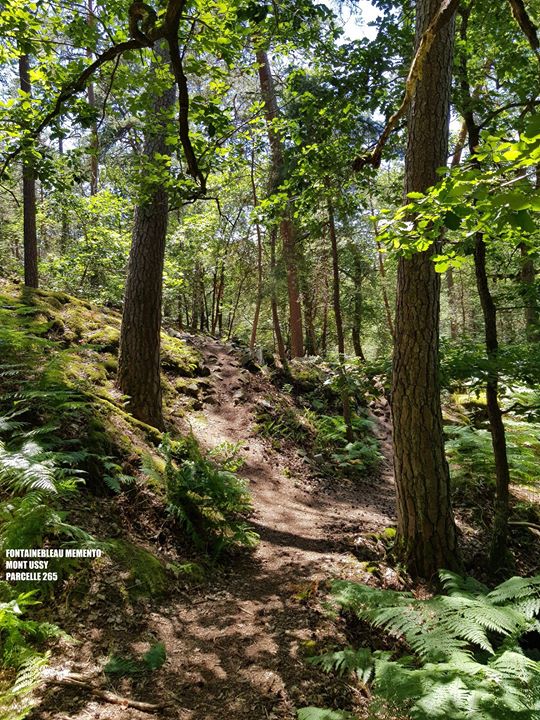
point(426, 534)
point(286, 227)
point(29, 197)
point(139, 359)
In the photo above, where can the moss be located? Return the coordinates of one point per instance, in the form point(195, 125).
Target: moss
point(147, 573)
point(110, 363)
point(179, 358)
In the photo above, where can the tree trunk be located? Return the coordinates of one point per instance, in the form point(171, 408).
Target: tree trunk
point(449, 276)
point(258, 301)
point(358, 309)
point(338, 319)
point(498, 551)
point(426, 534)
point(309, 316)
point(139, 374)
point(94, 138)
point(280, 345)
point(382, 273)
point(286, 227)
point(29, 197)
point(527, 277)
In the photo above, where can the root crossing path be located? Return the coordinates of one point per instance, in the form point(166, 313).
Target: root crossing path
point(238, 652)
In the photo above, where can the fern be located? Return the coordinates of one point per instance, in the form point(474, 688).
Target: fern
point(152, 660)
point(465, 661)
point(19, 639)
point(209, 503)
point(346, 661)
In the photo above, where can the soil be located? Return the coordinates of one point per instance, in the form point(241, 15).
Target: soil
point(237, 645)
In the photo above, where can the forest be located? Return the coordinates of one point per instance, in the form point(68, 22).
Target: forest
point(270, 360)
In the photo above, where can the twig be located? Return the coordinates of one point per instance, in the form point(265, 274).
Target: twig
point(110, 697)
point(533, 526)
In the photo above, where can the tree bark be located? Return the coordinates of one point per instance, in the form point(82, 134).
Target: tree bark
point(358, 307)
point(426, 534)
point(338, 318)
point(94, 138)
point(527, 276)
point(30, 245)
point(258, 301)
point(273, 301)
point(139, 374)
point(286, 227)
point(498, 550)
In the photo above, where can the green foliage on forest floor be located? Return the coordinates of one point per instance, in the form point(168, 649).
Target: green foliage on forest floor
point(464, 655)
point(324, 435)
point(470, 454)
point(64, 433)
point(210, 503)
point(22, 656)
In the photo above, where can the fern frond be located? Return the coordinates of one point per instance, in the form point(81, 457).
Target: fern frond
point(345, 661)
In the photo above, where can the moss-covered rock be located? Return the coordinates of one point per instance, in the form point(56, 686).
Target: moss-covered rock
point(146, 573)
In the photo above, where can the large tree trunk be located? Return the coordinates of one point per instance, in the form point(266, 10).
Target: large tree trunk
point(286, 227)
point(139, 361)
point(29, 197)
point(426, 534)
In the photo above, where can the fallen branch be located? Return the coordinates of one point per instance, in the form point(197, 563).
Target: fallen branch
point(74, 681)
point(533, 526)
point(443, 16)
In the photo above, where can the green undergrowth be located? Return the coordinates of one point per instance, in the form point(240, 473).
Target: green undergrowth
point(468, 654)
point(470, 454)
point(118, 666)
point(23, 653)
point(208, 500)
point(325, 436)
point(65, 436)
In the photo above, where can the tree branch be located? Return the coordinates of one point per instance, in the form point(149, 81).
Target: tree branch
point(443, 16)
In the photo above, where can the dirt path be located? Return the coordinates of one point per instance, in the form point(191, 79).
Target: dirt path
point(238, 652)
point(236, 647)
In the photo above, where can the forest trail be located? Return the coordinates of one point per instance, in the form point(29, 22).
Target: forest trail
point(238, 651)
point(236, 643)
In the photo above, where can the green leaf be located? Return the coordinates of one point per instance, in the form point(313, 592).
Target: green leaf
point(155, 657)
point(452, 221)
point(525, 221)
